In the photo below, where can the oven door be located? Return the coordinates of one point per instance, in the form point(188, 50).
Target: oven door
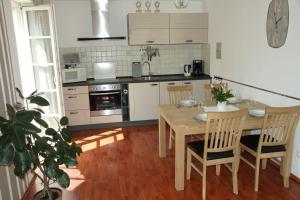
point(105, 103)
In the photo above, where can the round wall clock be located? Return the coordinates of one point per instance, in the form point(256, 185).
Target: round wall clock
point(277, 23)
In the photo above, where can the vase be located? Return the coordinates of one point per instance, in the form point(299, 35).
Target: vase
point(221, 106)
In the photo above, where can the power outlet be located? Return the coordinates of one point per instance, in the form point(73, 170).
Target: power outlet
point(298, 154)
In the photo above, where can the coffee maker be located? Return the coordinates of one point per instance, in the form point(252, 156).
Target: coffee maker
point(198, 68)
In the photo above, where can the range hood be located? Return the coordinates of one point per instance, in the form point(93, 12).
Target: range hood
point(100, 22)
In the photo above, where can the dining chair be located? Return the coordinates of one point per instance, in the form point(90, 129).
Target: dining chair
point(220, 146)
point(207, 91)
point(176, 94)
point(275, 140)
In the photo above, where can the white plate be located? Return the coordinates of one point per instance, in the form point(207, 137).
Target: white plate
point(228, 108)
point(234, 100)
point(187, 103)
point(257, 112)
point(201, 117)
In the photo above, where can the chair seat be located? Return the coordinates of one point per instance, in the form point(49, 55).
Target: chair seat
point(198, 148)
point(251, 141)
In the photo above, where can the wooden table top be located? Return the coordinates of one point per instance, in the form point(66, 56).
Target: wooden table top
point(182, 119)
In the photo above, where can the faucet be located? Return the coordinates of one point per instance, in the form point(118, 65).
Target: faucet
point(146, 62)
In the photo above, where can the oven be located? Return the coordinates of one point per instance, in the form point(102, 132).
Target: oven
point(105, 100)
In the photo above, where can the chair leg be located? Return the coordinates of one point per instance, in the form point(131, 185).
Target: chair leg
point(218, 170)
point(188, 164)
point(285, 171)
point(170, 138)
point(204, 182)
point(234, 177)
point(238, 158)
point(256, 174)
point(264, 163)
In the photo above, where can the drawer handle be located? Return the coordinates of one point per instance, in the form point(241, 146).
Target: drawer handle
point(154, 84)
point(72, 97)
point(189, 41)
point(73, 113)
point(149, 41)
point(70, 89)
point(187, 83)
point(171, 83)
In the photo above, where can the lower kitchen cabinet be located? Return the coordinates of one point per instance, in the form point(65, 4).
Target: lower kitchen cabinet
point(143, 101)
point(164, 95)
point(78, 117)
point(198, 88)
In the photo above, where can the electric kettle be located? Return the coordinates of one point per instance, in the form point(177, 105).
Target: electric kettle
point(187, 70)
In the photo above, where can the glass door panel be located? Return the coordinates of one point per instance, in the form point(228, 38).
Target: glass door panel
point(38, 23)
point(44, 77)
point(42, 51)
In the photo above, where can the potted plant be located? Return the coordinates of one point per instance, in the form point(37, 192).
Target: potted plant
point(30, 144)
point(220, 95)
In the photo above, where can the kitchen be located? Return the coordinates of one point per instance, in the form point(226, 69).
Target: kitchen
point(109, 65)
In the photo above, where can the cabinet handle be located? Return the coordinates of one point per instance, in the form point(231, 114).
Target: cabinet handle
point(149, 41)
point(154, 84)
point(189, 41)
point(187, 83)
point(72, 97)
point(73, 113)
point(171, 83)
point(70, 89)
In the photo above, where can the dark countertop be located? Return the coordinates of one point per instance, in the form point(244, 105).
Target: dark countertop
point(129, 79)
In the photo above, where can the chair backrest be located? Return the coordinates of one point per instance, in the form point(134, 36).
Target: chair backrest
point(279, 126)
point(179, 92)
point(207, 90)
point(223, 131)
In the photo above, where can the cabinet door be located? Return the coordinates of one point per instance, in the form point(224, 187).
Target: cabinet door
point(163, 89)
point(148, 20)
point(148, 36)
point(189, 20)
point(143, 101)
point(78, 117)
point(76, 101)
point(184, 36)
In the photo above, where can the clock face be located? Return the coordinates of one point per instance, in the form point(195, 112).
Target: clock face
point(277, 23)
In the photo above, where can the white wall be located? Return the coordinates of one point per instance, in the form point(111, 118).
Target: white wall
point(246, 57)
point(73, 19)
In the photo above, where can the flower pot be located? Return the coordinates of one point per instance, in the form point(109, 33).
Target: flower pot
point(221, 106)
point(56, 195)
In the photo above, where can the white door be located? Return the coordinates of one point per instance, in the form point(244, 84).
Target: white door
point(43, 74)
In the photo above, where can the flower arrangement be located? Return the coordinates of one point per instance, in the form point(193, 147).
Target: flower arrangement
point(220, 94)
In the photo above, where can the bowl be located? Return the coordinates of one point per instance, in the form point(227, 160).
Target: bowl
point(257, 112)
point(201, 117)
point(234, 100)
point(187, 103)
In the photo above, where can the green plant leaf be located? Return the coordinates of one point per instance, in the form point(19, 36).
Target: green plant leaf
point(33, 93)
point(3, 121)
point(7, 154)
point(66, 134)
point(22, 163)
point(18, 138)
point(34, 159)
point(10, 111)
point(27, 128)
point(41, 122)
point(25, 115)
point(19, 93)
point(38, 100)
point(39, 110)
point(63, 179)
point(51, 132)
point(71, 162)
point(64, 121)
point(51, 170)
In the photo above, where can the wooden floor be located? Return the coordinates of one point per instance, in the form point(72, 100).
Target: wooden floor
point(123, 164)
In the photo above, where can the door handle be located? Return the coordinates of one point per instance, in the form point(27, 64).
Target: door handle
point(103, 94)
point(149, 41)
point(154, 84)
point(188, 41)
point(171, 83)
point(70, 89)
point(73, 113)
point(187, 83)
point(72, 97)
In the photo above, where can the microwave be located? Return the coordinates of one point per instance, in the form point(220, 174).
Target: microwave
point(74, 75)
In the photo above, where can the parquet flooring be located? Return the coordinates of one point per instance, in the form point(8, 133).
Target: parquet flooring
point(123, 164)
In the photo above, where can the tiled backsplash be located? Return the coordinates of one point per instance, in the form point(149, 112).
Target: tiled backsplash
point(171, 60)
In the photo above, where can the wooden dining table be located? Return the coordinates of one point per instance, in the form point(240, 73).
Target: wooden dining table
point(181, 120)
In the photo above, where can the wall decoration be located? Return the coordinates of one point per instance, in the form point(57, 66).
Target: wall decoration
point(148, 6)
point(157, 4)
point(138, 5)
point(219, 50)
point(277, 23)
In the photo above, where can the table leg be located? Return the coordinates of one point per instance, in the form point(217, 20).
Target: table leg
point(162, 136)
point(179, 160)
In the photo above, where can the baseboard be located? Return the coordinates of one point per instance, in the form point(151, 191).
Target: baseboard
point(292, 176)
point(27, 192)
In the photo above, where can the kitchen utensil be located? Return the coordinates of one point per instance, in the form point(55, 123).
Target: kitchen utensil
point(198, 68)
point(187, 70)
point(136, 69)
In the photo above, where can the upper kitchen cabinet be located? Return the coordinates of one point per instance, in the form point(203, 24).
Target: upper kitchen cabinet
point(152, 28)
point(188, 28)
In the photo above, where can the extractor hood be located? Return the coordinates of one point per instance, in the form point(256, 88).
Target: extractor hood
point(100, 22)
